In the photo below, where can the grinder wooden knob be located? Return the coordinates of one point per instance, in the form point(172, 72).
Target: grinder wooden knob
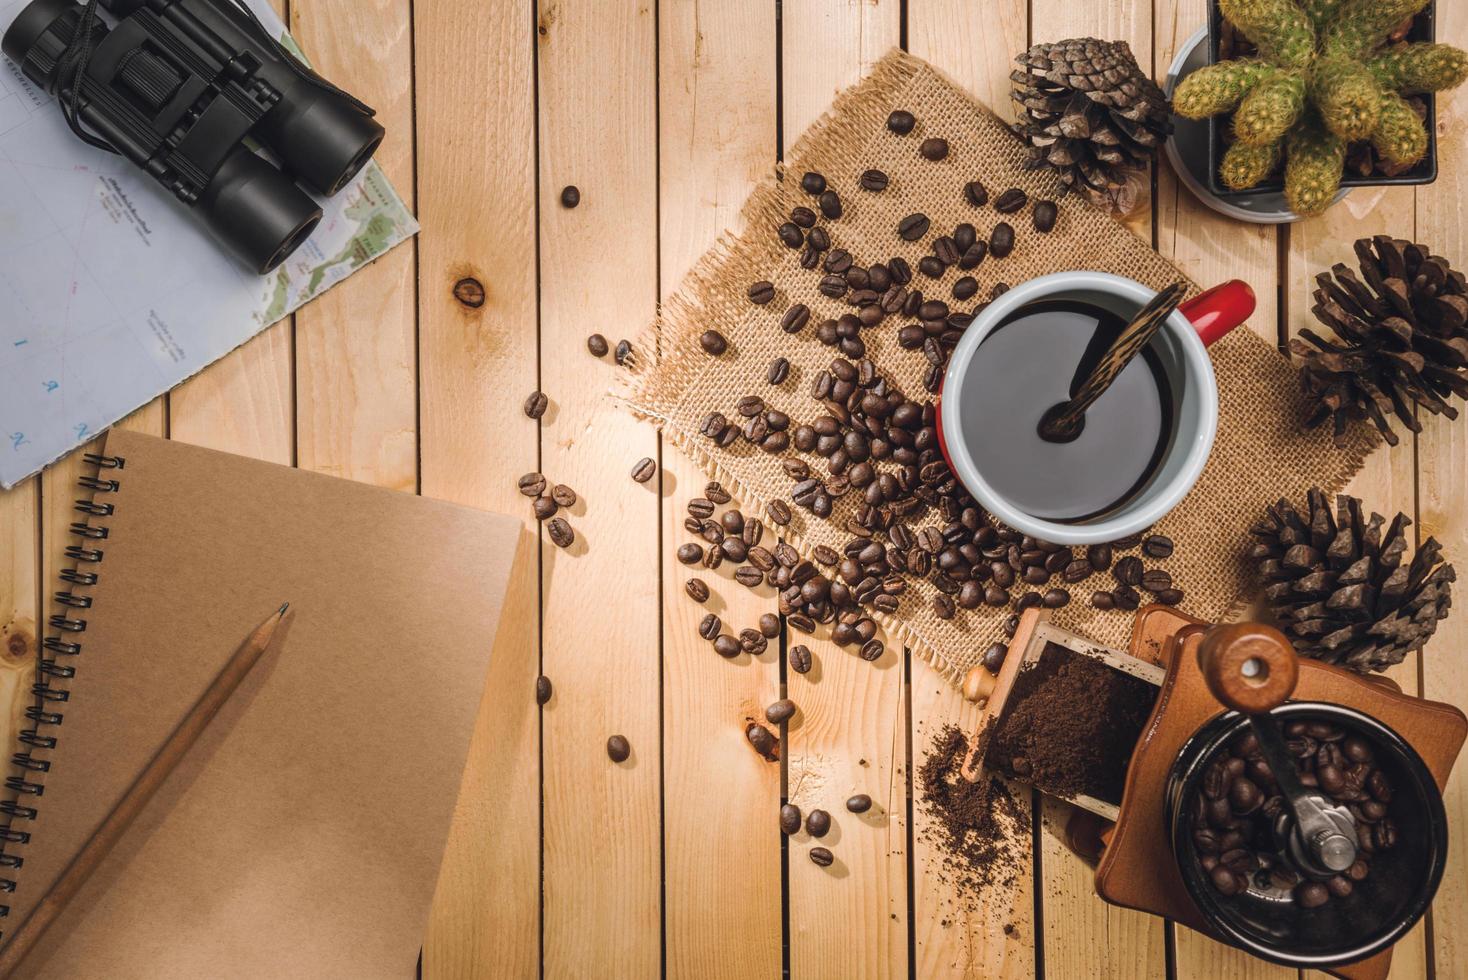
point(1249, 667)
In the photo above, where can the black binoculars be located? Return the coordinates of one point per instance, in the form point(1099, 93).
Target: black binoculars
point(186, 90)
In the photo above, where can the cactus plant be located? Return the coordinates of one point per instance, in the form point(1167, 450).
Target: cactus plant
point(1324, 77)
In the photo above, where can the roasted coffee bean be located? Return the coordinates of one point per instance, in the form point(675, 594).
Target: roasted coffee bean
point(790, 235)
point(975, 193)
point(1099, 555)
point(795, 318)
point(1311, 894)
point(754, 530)
point(996, 596)
point(532, 484)
point(873, 180)
point(1128, 571)
point(872, 650)
point(1126, 597)
point(597, 345)
point(726, 646)
point(763, 741)
point(769, 625)
point(701, 507)
point(545, 508)
point(779, 512)
point(1244, 797)
point(973, 255)
point(761, 558)
point(830, 204)
point(801, 622)
point(618, 748)
point(1103, 600)
point(623, 352)
point(709, 627)
point(715, 492)
point(761, 292)
point(946, 251)
point(1170, 597)
point(780, 712)
point(901, 272)
point(570, 196)
point(753, 642)
point(1077, 571)
point(535, 404)
point(965, 287)
point(790, 819)
point(1157, 546)
point(1225, 881)
point(690, 553)
point(933, 148)
point(812, 183)
point(697, 589)
point(1155, 580)
point(748, 576)
point(800, 659)
point(713, 425)
point(714, 557)
point(713, 342)
point(1044, 216)
point(734, 549)
point(644, 470)
point(900, 121)
point(560, 532)
point(1001, 240)
point(563, 495)
point(1056, 598)
point(1011, 201)
point(993, 657)
point(931, 266)
point(913, 227)
point(818, 823)
point(821, 857)
point(543, 689)
point(860, 803)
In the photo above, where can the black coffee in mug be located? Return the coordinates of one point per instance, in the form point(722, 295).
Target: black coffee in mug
point(1037, 358)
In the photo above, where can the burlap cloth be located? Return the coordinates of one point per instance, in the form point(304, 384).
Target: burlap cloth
point(1260, 453)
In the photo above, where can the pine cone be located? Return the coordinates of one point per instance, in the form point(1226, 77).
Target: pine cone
point(1088, 111)
point(1339, 589)
point(1401, 338)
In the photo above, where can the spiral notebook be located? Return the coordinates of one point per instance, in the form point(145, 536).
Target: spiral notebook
point(302, 835)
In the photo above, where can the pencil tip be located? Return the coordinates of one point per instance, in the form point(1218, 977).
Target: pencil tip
point(283, 607)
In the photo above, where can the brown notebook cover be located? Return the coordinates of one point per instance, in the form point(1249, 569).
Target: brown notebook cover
point(302, 835)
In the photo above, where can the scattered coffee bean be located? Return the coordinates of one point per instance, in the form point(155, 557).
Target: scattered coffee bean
point(860, 803)
point(644, 470)
point(976, 193)
point(821, 857)
point(1011, 201)
point(803, 216)
point(542, 689)
point(749, 576)
point(780, 712)
point(872, 650)
point(753, 642)
point(701, 508)
point(994, 657)
point(1044, 216)
point(1126, 597)
point(778, 371)
point(713, 342)
point(900, 121)
point(1056, 598)
point(1170, 597)
point(779, 512)
point(560, 532)
point(726, 646)
point(623, 352)
point(769, 625)
point(800, 658)
point(1157, 546)
point(801, 622)
point(570, 196)
point(563, 495)
point(532, 484)
point(790, 819)
point(697, 589)
point(818, 823)
point(812, 183)
point(709, 627)
point(965, 287)
point(716, 493)
point(933, 148)
point(763, 741)
point(618, 748)
point(913, 227)
point(545, 508)
point(795, 318)
point(790, 235)
point(1103, 600)
point(597, 344)
point(1128, 570)
point(830, 204)
point(1001, 240)
point(761, 292)
point(690, 553)
point(874, 181)
point(1155, 580)
point(1099, 555)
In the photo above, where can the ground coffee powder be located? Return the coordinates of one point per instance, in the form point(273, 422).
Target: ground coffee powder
point(1070, 725)
point(982, 829)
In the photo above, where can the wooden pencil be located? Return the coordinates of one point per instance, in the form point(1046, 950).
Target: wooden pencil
point(169, 755)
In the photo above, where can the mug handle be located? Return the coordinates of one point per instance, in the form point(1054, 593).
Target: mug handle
point(1216, 311)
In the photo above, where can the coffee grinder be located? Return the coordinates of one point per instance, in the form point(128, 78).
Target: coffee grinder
point(1216, 685)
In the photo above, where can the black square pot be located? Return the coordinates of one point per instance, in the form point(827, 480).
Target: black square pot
point(1425, 172)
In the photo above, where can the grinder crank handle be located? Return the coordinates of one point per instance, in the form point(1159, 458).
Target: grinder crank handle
point(1252, 669)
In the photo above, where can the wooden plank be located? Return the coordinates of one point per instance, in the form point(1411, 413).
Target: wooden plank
point(716, 71)
point(356, 346)
point(1386, 484)
point(475, 97)
point(1211, 248)
point(243, 402)
point(1442, 462)
point(1084, 935)
point(602, 838)
point(20, 603)
point(848, 920)
point(957, 934)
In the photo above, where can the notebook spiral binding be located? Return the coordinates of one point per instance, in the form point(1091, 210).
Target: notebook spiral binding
point(49, 670)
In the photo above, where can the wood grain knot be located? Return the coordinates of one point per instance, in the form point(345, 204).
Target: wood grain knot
point(19, 645)
point(469, 292)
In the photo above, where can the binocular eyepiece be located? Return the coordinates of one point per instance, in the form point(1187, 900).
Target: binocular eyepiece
point(177, 87)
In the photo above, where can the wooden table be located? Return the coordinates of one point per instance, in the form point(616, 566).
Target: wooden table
point(664, 114)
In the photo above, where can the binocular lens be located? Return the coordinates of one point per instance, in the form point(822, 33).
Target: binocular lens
point(322, 138)
point(257, 211)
